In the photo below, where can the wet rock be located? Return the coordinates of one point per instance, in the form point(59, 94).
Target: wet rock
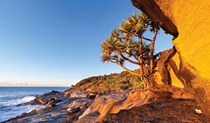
point(50, 99)
point(51, 104)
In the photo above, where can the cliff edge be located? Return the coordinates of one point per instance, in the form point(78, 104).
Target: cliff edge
point(188, 21)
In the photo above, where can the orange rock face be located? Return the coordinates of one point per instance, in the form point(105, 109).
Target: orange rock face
point(188, 21)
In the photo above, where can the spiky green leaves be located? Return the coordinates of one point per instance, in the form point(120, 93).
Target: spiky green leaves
point(132, 26)
point(108, 48)
point(122, 44)
point(127, 44)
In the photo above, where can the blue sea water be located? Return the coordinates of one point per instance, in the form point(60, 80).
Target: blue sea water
point(10, 97)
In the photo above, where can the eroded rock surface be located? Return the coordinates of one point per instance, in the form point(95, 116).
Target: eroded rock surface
point(188, 21)
point(161, 111)
point(113, 103)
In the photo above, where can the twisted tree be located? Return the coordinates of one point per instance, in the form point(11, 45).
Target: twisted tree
point(128, 44)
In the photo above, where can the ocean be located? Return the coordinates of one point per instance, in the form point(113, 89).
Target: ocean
point(10, 97)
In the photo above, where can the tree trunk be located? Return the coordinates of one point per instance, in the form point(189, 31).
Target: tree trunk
point(152, 48)
point(141, 57)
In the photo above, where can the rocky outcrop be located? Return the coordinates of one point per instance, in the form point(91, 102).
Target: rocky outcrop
point(77, 109)
point(188, 21)
point(50, 99)
point(113, 103)
point(59, 108)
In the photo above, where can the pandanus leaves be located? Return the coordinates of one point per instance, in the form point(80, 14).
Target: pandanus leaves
point(126, 44)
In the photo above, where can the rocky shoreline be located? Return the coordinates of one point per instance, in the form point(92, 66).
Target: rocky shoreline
point(163, 104)
point(59, 106)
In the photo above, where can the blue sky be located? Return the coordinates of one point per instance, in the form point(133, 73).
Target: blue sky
point(57, 42)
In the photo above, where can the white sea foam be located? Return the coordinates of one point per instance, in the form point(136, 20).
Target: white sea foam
point(18, 110)
point(26, 99)
point(37, 107)
point(17, 101)
point(12, 96)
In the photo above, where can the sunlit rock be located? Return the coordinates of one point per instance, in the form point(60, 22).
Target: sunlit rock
point(188, 21)
point(112, 104)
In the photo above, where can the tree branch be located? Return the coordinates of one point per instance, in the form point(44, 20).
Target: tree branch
point(129, 60)
point(146, 38)
point(114, 58)
point(136, 58)
point(126, 69)
point(125, 58)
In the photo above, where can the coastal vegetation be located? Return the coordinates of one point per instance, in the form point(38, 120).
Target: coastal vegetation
point(110, 83)
point(129, 44)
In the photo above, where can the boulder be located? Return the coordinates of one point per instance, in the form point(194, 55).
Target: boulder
point(50, 99)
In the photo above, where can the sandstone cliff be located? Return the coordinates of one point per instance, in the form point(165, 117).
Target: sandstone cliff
point(188, 21)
